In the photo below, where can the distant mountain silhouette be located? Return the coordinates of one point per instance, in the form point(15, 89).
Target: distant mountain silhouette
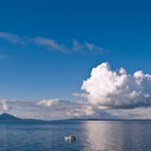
point(8, 117)
point(5, 117)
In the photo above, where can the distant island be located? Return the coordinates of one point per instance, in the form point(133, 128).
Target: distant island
point(5, 117)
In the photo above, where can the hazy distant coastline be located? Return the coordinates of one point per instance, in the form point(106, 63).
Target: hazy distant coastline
point(5, 117)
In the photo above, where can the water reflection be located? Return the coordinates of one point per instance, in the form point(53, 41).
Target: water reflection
point(99, 136)
point(116, 136)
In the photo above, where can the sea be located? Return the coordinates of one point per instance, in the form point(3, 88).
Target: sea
point(90, 136)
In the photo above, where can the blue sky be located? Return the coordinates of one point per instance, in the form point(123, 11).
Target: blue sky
point(47, 48)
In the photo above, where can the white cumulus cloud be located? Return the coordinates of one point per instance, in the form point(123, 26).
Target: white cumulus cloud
point(117, 89)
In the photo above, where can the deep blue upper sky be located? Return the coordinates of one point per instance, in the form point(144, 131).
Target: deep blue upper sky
point(120, 27)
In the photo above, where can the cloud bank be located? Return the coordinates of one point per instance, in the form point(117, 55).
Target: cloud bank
point(52, 109)
point(117, 89)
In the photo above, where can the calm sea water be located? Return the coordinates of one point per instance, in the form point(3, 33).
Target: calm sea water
point(91, 136)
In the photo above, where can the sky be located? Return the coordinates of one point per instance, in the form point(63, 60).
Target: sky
point(62, 58)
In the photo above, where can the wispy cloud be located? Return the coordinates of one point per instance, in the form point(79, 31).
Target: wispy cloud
point(15, 39)
point(92, 47)
point(76, 47)
point(86, 47)
point(52, 44)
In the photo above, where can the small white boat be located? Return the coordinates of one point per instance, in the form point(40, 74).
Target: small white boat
point(70, 138)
